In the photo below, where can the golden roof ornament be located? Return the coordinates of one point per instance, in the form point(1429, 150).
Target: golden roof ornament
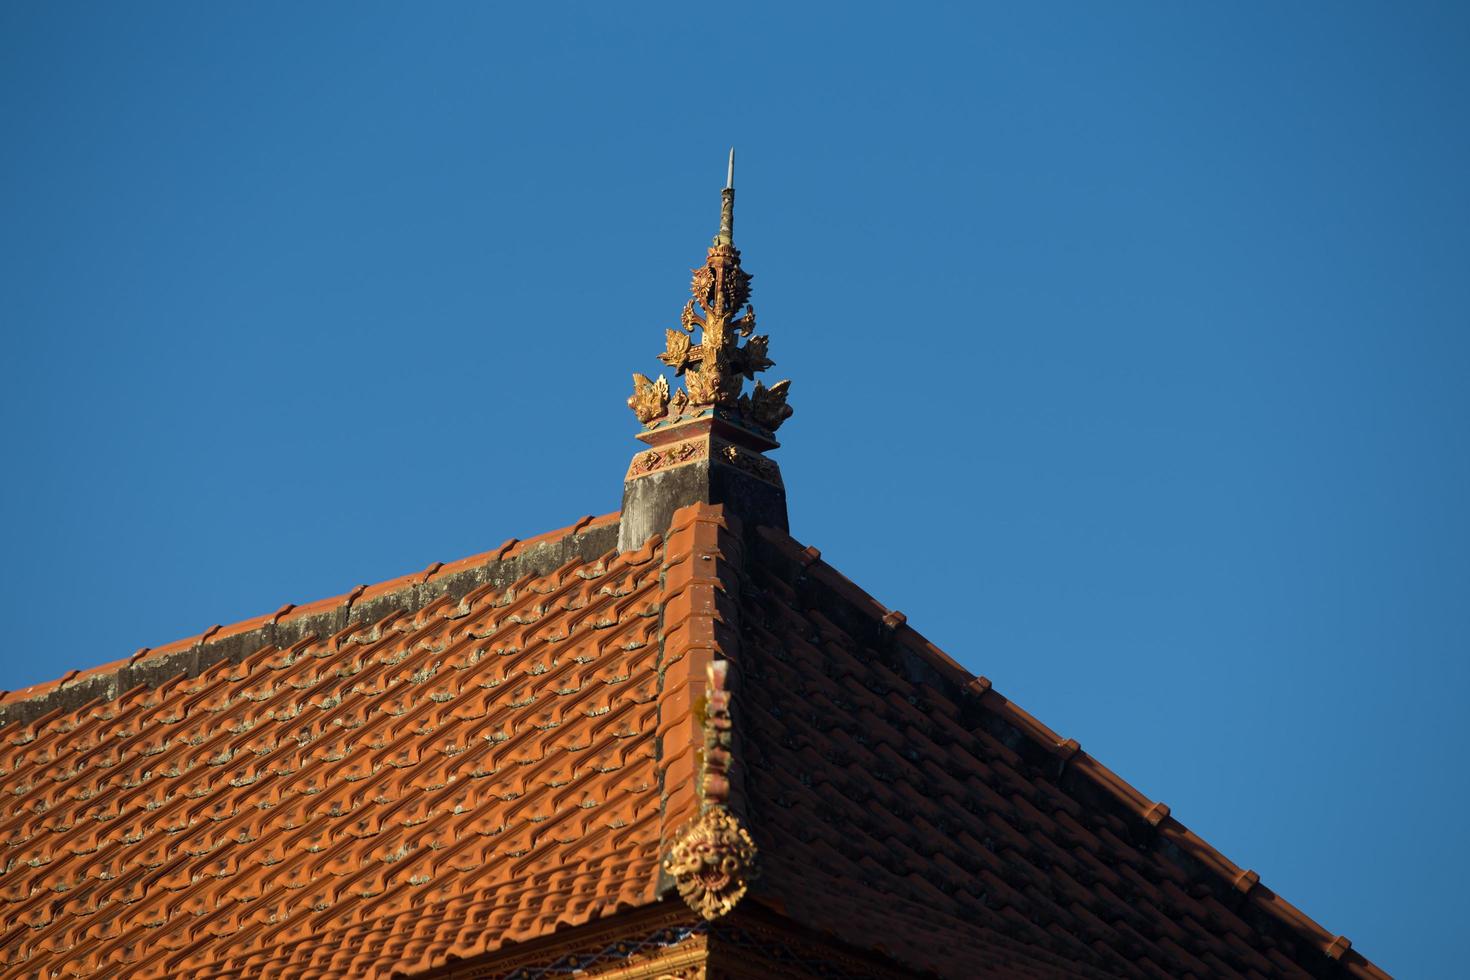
point(706, 441)
point(713, 860)
point(715, 369)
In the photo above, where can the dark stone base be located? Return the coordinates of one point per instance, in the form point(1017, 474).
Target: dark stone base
point(649, 501)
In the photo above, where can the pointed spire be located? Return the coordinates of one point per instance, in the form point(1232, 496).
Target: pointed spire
point(710, 426)
point(727, 206)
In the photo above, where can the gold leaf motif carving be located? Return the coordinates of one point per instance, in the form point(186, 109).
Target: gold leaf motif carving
point(676, 350)
point(650, 399)
point(703, 286)
point(746, 323)
point(768, 405)
point(735, 283)
point(703, 386)
point(755, 358)
point(689, 319)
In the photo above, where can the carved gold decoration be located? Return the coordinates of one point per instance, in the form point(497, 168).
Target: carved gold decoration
point(768, 406)
point(676, 352)
point(715, 369)
point(755, 355)
point(650, 399)
point(753, 463)
point(658, 459)
point(703, 385)
point(712, 862)
point(703, 447)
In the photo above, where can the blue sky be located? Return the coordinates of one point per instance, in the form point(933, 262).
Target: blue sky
point(1129, 350)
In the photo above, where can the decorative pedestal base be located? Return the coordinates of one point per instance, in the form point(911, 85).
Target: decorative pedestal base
point(702, 468)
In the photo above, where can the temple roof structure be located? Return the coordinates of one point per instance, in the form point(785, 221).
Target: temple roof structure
point(637, 740)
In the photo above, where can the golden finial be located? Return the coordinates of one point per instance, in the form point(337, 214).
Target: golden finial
point(714, 370)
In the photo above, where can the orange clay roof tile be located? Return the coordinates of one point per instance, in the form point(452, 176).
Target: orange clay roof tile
point(470, 771)
point(486, 751)
point(877, 766)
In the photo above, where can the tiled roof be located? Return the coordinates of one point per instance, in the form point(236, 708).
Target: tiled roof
point(427, 784)
point(901, 799)
point(485, 752)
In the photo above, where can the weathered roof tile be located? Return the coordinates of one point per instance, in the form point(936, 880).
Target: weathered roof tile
point(257, 814)
point(488, 750)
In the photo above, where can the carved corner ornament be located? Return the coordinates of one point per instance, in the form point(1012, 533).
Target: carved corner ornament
point(650, 399)
point(713, 862)
point(767, 406)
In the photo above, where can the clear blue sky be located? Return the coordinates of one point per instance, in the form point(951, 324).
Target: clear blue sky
point(1130, 351)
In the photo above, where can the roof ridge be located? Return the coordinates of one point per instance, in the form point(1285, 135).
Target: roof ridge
point(709, 853)
point(588, 538)
point(867, 619)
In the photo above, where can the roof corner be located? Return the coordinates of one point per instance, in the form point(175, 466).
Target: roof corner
point(709, 854)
